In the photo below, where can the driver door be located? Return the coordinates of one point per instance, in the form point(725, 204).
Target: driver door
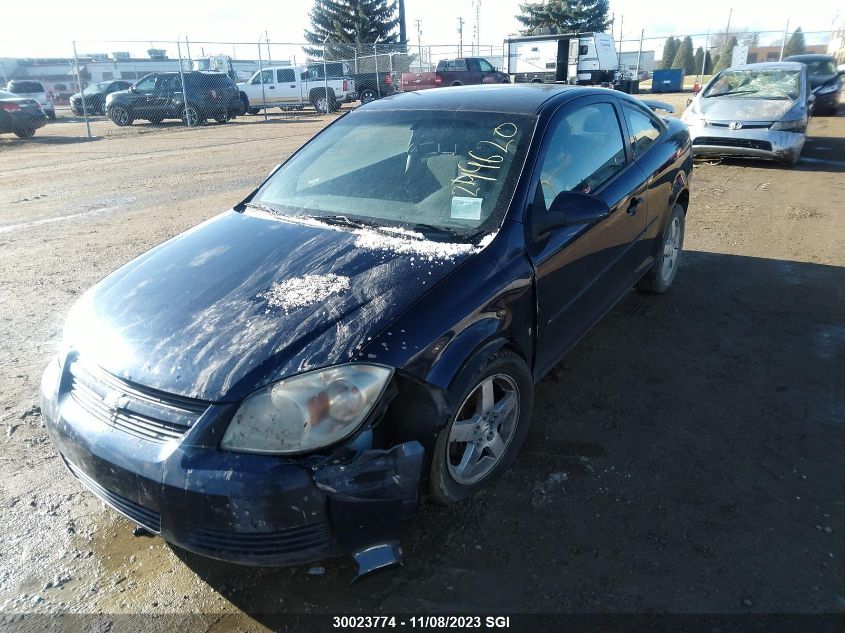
point(582, 270)
point(142, 96)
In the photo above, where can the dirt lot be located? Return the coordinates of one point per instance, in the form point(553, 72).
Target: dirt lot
point(687, 456)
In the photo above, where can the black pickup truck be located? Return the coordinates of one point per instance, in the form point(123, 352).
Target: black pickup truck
point(366, 85)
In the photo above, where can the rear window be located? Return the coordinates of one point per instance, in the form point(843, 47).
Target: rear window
point(25, 87)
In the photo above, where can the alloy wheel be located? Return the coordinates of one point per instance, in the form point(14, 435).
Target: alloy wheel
point(120, 116)
point(483, 428)
point(671, 249)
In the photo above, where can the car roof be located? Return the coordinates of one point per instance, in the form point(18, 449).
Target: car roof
point(809, 57)
point(769, 66)
point(510, 98)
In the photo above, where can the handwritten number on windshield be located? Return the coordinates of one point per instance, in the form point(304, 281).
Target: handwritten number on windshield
point(471, 173)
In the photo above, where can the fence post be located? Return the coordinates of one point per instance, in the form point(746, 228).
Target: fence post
point(356, 59)
point(783, 42)
point(375, 54)
point(704, 57)
point(81, 94)
point(261, 79)
point(184, 92)
point(325, 75)
point(639, 55)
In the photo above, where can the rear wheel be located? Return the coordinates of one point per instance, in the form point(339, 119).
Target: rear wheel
point(120, 116)
point(665, 267)
point(27, 133)
point(367, 95)
point(486, 429)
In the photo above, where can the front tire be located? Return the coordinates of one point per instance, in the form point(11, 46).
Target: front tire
point(120, 116)
point(192, 117)
point(486, 430)
point(662, 273)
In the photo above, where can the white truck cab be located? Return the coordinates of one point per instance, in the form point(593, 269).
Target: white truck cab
point(292, 88)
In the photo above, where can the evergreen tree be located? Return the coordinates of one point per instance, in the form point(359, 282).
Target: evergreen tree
point(684, 57)
point(670, 49)
point(698, 59)
point(795, 45)
point(564, 16)
point(351, 26)
point(726, 55)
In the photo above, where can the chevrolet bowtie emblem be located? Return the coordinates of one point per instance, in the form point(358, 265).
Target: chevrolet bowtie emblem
point(115, 400)
point(735, 125)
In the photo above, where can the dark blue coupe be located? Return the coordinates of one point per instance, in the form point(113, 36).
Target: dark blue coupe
point(287, 380)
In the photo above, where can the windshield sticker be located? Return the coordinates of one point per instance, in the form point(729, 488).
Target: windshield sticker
point(474, 173)
point(466, 208)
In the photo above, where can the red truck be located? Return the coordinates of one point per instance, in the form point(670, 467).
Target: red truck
point(463, 71)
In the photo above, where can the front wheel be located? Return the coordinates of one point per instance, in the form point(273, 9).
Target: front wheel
point(486, 429)
point(665, 267)
point(191, 116)
point(120, 116)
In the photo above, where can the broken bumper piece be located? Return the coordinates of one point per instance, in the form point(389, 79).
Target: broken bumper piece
point(368, 499)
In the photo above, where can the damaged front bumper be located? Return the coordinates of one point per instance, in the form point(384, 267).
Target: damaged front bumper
point(242, 508)
point(711, 140)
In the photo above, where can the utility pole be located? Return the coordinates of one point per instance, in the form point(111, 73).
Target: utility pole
point(418, 22)
point(403, 34)
point(477, 27)
point(460, 37)
point(619, 56)
point(783, 43)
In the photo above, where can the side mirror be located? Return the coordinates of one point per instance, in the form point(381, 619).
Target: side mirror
point(569, 208)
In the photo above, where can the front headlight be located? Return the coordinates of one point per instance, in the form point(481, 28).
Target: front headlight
point(792, 125)
point(691, 117)
point(306, 412)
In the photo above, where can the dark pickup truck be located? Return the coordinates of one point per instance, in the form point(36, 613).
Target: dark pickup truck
point(463, 71)
point(366, 86)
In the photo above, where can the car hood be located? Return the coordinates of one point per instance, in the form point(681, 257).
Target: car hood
point(243, 299)
point(821, 80)
point(738, 109)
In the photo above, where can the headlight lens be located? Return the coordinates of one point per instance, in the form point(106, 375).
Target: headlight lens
point(691, 117)
point(792, 125)
point(306, 412)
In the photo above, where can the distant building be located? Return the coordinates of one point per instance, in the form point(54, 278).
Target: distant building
point(772, 53)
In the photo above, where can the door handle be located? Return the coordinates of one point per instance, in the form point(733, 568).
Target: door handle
point(634, 205)
point(272, 87)
point(293, 85)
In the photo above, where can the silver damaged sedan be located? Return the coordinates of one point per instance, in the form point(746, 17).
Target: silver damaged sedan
point(755, 110)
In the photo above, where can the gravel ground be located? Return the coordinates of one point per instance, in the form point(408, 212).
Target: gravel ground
point(687, 456)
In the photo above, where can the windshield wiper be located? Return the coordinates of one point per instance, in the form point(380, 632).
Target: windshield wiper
point(262, 207)
point(431, 228)
point(342, 220)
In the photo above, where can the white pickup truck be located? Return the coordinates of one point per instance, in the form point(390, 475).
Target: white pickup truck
point(293, 88)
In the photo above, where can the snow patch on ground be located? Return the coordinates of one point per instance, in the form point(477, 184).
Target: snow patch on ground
point(301, 292)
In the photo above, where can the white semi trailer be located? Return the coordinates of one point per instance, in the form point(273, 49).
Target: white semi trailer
point(574, 58)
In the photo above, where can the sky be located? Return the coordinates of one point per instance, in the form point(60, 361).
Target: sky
point(224, 20)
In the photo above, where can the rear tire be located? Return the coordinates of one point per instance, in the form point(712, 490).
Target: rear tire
point(368, 95)
point(25, 133)
point(486, 429)
point(662, 273)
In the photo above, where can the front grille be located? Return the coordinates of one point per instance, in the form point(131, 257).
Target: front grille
point(261, 544)
point(762, 125)
point(745, 143)
point(149, 519)
point(144, 413)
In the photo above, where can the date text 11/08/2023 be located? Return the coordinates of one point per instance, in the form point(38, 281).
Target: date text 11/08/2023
point(437, 622)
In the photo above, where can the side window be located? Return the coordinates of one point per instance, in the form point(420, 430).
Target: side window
point(286, 76)
point(584, 149)
point(147, 84)
point(486, 67)
point(265, 76)
point(167, 83)
point(460, 64)
point(644, 130)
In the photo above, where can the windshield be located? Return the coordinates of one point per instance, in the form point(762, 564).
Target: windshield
point(436, 172)
point(756, 84)
point(95, 88)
